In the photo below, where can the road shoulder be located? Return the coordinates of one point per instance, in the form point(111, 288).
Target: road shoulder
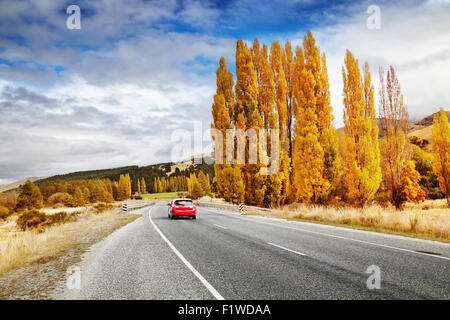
point(37, 279)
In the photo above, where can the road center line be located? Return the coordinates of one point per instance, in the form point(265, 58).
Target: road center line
point(205, 282)
point(220, 226)
point(334, 236)
point(287, 249)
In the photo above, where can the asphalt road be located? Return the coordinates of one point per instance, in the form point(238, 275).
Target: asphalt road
point(226, 255)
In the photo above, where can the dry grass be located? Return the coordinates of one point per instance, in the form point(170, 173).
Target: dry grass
point(430, 223)
point(21, 248)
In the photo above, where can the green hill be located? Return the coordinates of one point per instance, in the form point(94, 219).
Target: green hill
point(136, 173)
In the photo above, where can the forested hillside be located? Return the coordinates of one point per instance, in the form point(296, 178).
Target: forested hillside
point(148, 173)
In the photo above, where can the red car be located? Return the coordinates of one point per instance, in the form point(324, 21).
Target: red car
point(182, 207)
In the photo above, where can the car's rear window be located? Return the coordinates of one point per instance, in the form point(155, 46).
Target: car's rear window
point(183, 202)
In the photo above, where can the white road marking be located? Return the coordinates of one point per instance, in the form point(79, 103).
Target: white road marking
point(338, 237)
point(220, 226)
point(205, 282)
point(287, 249)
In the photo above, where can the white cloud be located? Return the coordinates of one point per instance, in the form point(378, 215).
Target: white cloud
point(121, 97)
point(415, 40)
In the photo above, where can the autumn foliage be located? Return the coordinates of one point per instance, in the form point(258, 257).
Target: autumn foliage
point(199, 186)
point(441, 153)
point(286, 93)
point(172, 184)
point(411, 190)
point(362, 176)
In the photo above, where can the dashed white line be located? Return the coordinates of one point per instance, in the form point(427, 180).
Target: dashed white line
point(287, 249)
point(335, 236)
point(205, 282)
point(217, 225)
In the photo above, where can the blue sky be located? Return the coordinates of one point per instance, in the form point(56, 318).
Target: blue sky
point(112, 93)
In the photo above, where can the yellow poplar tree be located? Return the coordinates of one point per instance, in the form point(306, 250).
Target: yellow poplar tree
point(316, 64)
point(122, 192)
point(393, 145)
point(128, 181)
point(278, 184)
point(202, 179)
point(362, 169)
point(78, 198)
point(231, 179)
point(208, 184)
point(87, 194)
point(30, 197)
point(223, 113)
point(288, 68)
point(441, 153)
point(308, 155)
point(248, 117)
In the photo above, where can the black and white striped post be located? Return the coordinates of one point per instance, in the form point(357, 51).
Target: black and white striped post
point(125, 207)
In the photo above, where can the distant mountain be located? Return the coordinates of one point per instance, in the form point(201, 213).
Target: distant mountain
point(428, 121)
point(18, 183)
point(422, 128)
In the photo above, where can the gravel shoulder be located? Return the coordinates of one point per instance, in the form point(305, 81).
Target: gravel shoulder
point(48, 268)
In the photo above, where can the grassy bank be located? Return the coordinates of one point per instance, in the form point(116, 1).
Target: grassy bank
point(162, 195)
point(430, 220)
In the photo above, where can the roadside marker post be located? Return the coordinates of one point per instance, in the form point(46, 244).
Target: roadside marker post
point(241, 208)
point(129, 207)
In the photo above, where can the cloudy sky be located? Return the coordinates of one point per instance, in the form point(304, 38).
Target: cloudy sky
point(112, 93)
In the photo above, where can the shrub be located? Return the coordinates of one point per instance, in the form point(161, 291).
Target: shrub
point(138, 197)
point(4, 212)
point(57, 218)
point(30, 219)
point(424, 165)
point(9, 200)
point(435, 195)
point(56, 198)
point(68, 200)
point(103, 207)
point(421, 143)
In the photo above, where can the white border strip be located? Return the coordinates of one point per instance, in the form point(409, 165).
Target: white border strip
point(205, 282)
point(275, 245)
